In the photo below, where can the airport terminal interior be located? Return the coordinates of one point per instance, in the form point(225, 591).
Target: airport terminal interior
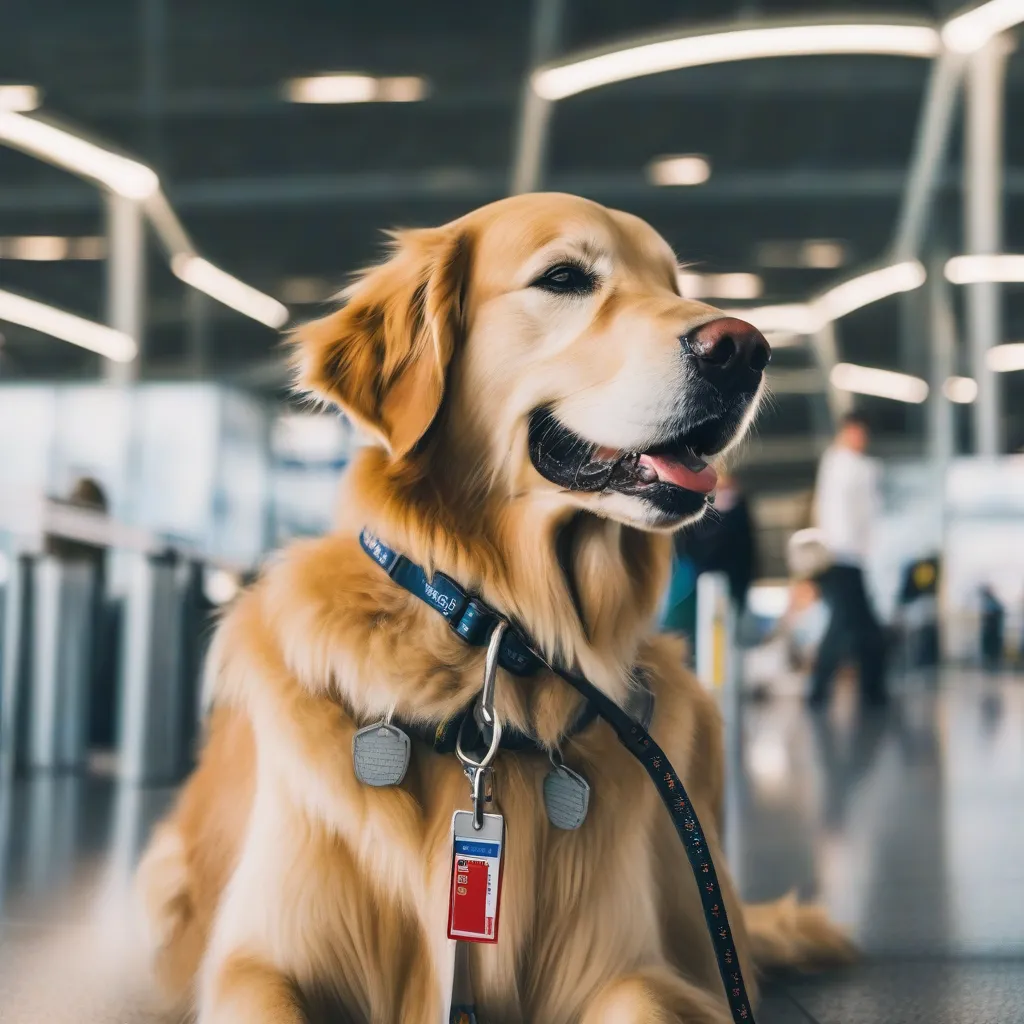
point(182, 183)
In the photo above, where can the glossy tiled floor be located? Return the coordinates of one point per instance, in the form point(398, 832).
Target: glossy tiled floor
point(909, 825)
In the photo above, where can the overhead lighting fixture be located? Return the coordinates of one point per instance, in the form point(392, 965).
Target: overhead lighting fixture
point(1005, 267)
point(735, 287)
point(962, 390)
point(105, 341)
point(1006, 358)
point(126, 177)
point(352, 88)
point(838, 301)
point(867, 288)
point(42, 248)
point(220, 285)
point(812, 254)
point(822, 255)
point(788, 318)
point(306, 291)
point(970, 31)
point(679, 170)
point(19, 98)
point(555, 83)
point(869, 380)
point(220, 586)
point(134, 180)
point(52, 247)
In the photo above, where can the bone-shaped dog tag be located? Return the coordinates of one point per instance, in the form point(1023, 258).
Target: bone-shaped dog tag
point(380, 754)
point(566, 797)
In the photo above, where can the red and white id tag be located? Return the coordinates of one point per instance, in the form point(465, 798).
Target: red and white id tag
point(475, 894)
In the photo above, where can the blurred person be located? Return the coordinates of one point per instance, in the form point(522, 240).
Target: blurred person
point(846, 506)
point(680, 609)
point(917, 612)
point(723, 541)
point(806, 619)
point(993, 628)
point(88, 494)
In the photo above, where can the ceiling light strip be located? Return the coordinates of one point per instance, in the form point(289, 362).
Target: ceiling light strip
point(971, 30)
point(839, 300)
point(47, 142)
point(205, 277)
point(38, 316)
point(136, 181)
point(673, 53)
point(870, 380)
point(1006, 358)
point(980, 269)
point(19, 98)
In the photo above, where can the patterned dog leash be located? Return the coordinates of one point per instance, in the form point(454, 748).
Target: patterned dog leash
point(474, 621)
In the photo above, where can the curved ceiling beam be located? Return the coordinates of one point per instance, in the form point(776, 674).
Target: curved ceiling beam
point(972, 28)
point(837, 301)
point(65, 148)
point(653, 56)
point(68, 150)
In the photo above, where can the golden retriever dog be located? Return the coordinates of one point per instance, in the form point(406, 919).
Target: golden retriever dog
point(544, 405)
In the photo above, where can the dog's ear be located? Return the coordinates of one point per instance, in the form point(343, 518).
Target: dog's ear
point(384, 355)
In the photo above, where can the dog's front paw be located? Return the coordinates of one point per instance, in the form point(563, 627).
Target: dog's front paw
point(786, 933)
point(656, 995)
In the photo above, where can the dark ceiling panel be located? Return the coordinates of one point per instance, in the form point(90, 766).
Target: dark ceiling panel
point(290, 197)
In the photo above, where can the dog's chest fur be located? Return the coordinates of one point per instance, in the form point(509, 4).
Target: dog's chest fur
point(371, 867)
point(555, 884)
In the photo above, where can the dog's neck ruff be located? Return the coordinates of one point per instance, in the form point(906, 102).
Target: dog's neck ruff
point(474, 621)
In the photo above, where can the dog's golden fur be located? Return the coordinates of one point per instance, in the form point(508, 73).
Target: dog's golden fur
point(280, 889)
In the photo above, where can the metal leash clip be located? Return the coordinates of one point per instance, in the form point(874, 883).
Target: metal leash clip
point(487, 720)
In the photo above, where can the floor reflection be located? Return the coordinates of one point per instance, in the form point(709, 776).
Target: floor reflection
point(904, 821)
point(64, 835)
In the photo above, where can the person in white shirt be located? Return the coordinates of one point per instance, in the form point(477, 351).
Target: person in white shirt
point(846, 505)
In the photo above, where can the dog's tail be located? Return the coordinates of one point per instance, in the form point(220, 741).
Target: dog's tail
point(788, 934)
point(193, 852)
point(174, 934)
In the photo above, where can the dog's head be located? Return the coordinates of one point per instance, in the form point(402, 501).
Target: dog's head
point(540, 344)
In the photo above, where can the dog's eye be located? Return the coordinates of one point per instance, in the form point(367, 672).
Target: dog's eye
point(566, 279)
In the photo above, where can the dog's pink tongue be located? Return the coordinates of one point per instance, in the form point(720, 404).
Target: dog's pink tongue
point(674, 472)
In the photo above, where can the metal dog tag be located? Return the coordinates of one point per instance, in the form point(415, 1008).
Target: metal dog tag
point(380, 754)
point(566, 797)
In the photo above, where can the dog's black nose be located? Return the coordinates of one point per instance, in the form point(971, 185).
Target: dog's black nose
point(730, 353)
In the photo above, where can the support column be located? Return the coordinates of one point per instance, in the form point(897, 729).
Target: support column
point(126, 270)
point(826, 350)
point(197, 333)
point(983, 213)
point(942, 331)
point(534, 110)
point(931, 142)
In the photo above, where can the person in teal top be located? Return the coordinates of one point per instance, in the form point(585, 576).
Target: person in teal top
point(679, 613)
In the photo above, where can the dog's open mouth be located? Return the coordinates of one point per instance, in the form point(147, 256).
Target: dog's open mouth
point(673, 475)
point(681, 467)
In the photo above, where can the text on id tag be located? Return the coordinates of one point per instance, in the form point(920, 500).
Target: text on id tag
point(474, 898)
